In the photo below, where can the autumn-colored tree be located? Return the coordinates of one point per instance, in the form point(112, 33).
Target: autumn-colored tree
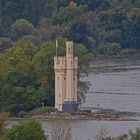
point(73, 4)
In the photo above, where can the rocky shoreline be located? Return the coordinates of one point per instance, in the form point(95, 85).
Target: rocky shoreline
point(83, 116)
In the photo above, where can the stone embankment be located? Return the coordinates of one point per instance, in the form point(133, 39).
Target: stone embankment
point(83, 116)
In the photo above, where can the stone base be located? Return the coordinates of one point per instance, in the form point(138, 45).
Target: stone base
point(69, 106)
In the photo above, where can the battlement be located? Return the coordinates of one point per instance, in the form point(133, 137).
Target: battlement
point(59, 62)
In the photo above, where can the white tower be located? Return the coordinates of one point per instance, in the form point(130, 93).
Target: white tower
point(66, 80)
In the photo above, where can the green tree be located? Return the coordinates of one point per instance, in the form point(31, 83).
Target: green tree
point(19, 79)
point(20, 28)
point(5, 43)
point(26, 131)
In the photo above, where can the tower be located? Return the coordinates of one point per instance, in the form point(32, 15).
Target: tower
point(66, 80)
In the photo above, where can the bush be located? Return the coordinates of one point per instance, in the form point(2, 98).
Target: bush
point(31, 130)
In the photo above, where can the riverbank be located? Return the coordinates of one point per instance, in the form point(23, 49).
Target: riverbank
point(82, 116)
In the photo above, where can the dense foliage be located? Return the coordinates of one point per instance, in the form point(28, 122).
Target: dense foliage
point(28, 29)
point(92, 23)
point(26, 131)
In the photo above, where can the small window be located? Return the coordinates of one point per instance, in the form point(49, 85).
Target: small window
point(58, 78)
point(64, 78)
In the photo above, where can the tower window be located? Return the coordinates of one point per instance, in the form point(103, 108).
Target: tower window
point(58, 78)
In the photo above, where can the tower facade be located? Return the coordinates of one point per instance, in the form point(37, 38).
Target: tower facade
point(66, 80)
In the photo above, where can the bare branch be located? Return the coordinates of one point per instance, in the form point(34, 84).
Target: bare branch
point(61, 130)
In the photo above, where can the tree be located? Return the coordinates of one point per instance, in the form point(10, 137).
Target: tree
point(94, 4)
point(61, 131)
point(67, 14)
point(19, 79)
point(31, 130)
point(73, 4)
point(82, 21)
point(5, 43)
point(20, 28)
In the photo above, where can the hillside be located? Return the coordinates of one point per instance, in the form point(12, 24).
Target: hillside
point(103, 26)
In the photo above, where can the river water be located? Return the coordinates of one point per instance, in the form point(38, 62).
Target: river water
point(115, 88)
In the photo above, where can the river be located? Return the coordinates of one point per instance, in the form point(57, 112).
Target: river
point(115, 88)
